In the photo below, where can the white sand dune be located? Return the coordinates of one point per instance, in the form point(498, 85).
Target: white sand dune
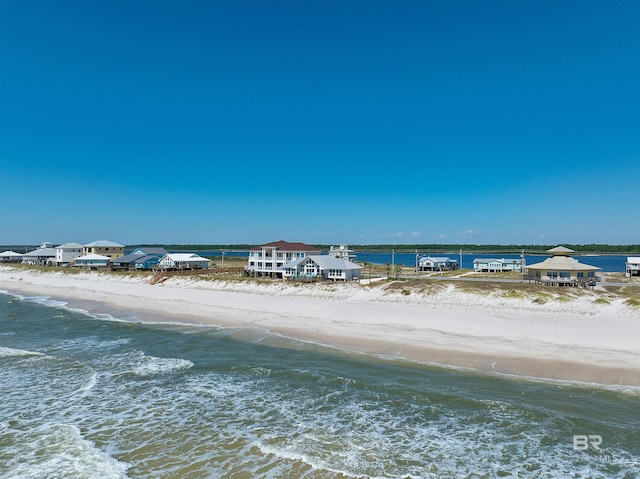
point(568, 340)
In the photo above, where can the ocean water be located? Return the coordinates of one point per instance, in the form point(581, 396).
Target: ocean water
point(101, 396)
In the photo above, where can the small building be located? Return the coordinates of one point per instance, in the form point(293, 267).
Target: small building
point(45, 255)
point(343, 251)
point(439, 263)
point(492, 265)
point(326, 267)
point(92, 261)
point(66, 253)
point(10, 257)
point(183, 261)
point(268, 259)
point(633, 265)
point(104, 248)
point(562, 270)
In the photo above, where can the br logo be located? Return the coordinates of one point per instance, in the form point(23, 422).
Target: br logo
point(582, 442)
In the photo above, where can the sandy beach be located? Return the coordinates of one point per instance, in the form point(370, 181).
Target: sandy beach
point(578, 340)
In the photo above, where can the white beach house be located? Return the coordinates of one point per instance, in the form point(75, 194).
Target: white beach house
point(66, 253)
point(268, 259)
point(343, 251)
point(438, 263)
point(633, 265)
point(328, 267)
point(562, 270)
point(10, 257)
point(493, 265)
point(91, 261)
point(46, 254)
point(183, 261)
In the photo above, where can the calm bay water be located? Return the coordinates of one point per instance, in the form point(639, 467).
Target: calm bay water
point(88, 396)
point(608, 263)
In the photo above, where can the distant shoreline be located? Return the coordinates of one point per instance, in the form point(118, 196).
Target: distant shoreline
point(579, 339)
point(580, 249)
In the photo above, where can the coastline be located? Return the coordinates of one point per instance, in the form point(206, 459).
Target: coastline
point(581, 341)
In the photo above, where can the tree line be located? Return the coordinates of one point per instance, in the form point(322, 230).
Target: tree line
point(594, 248)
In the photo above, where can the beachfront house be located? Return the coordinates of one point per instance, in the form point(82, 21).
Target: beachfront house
point(438, 263)
point(45, 255)
point(343, 251)
point(633, 265)
point(562, 270)
point(105, 248)
point(268, 259)
point(10, 257)
point(492, 265)
point(66, 253)
point(183, 261)
point(91, 261)
point(327, 267)
point(141, 258)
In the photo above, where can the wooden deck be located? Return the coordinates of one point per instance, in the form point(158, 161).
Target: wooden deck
point(558, 281)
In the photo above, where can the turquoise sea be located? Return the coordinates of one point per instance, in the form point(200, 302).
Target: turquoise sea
point(88, 395)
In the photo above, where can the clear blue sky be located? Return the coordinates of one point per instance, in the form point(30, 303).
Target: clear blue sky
point(320, 121)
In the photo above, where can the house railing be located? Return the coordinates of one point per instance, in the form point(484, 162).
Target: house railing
point(562, 280)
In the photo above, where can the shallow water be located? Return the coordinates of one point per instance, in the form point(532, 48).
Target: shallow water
point(91, 396)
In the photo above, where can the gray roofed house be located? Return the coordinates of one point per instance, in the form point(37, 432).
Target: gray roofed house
point(102, 244)
point(39, 256)
point(138, 260)
point(127, 260)
point(10, 257)
point(437, 263)
point(321, 267)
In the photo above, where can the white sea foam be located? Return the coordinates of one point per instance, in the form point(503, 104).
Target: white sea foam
point(91, 382)
point(57, 450)
point(152, 365)
point(11, 352)
point(268, 417)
